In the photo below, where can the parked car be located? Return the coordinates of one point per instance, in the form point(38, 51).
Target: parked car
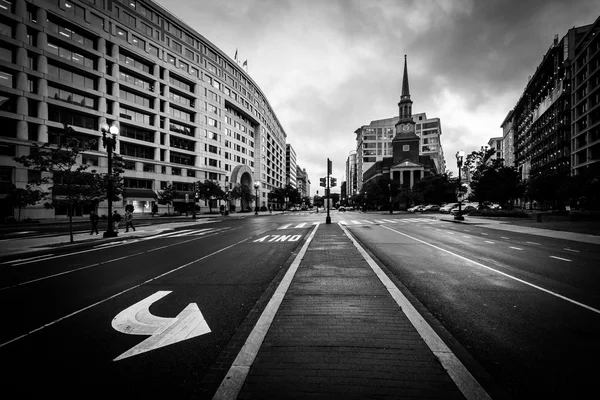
point(465, 208)
point(416, 208)
point(431, 207)
point(445, 209)
point(342, 208)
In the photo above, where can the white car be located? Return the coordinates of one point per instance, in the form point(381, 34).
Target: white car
point(445, 209)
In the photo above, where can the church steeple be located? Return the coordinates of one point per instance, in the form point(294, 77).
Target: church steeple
point(406, 142)
point(405, 89)
point(405, 104)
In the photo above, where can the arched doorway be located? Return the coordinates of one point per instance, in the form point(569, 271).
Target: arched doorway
point(242, 175)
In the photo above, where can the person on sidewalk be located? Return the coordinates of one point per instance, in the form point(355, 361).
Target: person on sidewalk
point(116, 219)
point(94, 218)
point(129, 221)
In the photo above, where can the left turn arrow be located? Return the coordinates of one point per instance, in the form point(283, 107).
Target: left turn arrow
point(137, 320)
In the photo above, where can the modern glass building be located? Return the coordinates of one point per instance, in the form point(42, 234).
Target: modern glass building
point(185, 110)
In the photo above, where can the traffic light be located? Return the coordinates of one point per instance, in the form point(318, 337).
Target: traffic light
point(333, 182)
point(322, 182)
point(328, 166)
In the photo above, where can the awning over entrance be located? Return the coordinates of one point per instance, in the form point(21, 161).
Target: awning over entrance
point(139, 194)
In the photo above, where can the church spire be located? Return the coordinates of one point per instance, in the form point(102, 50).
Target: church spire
point(405, 104)
point(405, 89)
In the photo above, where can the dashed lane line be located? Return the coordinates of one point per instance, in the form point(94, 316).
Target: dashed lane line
point(515, 248)
point(573, 250)
point(560, 258)
point(597, 311)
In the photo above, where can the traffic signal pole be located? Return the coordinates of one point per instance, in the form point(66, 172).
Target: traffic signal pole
point(328, 191)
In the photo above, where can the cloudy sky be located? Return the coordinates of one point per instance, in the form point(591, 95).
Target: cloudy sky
point(328, 67)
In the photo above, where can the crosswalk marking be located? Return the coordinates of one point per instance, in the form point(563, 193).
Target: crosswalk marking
point(300, 225)
point(368, 222)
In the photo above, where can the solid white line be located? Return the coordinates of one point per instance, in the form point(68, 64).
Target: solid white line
point(118, 294)
point(26, 259)
point(234, 380)
point(516, 248)
point(559, 258)
point(568, 249)
point(463, 379)
point(97, 264)
point(500, 272)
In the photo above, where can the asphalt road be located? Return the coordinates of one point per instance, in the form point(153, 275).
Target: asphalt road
point(58, 336)
point(155, 316)
point(525, 307)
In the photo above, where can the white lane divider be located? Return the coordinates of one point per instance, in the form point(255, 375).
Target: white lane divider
point(500, 272)
point(461, 376)
point(515, 248)
point(231, 386)
point(560, 258)
point(568, 249)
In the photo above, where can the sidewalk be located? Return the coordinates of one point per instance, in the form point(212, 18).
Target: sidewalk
point(35, 246)
point(339, 333)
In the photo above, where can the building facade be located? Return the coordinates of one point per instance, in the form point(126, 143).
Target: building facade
point(374, 141)
point(495, 143)
point(303, 183)
point(508, 144)
point(542, 116)
point(290, 166)
point(352, 178)
point(186, 112)
point(585, 101)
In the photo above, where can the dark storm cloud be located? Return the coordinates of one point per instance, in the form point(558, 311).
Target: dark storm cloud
point(329, 67)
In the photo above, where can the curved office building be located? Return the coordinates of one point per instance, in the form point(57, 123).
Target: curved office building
point(186, 111)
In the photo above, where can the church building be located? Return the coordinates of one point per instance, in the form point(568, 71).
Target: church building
point(405, 167)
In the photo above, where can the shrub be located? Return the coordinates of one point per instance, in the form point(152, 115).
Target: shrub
point(499, 213)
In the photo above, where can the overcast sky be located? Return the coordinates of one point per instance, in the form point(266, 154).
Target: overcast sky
point(327, 67)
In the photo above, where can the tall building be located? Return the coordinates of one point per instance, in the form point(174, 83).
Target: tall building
point(585, 101)
point(185, 110)
point(508, 144)
point(496, 144)
point(290, 166)
point(352, 174)
point(541, 119)
point(302, 181)
point(406, 165)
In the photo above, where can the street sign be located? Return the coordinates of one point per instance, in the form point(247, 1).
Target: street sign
point(137, 320)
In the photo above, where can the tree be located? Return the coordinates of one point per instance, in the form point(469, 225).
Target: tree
point(498, 183)
point(408, 196)
point(373, 194)
point(73, 184)
point(435, 189)
point(21, 198)
point(549, 186)
point(242, 192)
point(210, 190)
point(278, 195)
point(166, 196)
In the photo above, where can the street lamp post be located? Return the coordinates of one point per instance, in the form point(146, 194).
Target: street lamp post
point(109, 141)
point(256, 186)
point(390, 190)
point(459, 162)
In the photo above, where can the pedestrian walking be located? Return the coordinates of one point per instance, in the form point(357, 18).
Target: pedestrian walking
point(116, 219)
point(129, 221)
point(94, 218)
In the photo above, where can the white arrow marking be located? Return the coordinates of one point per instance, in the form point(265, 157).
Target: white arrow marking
point(137, 320)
